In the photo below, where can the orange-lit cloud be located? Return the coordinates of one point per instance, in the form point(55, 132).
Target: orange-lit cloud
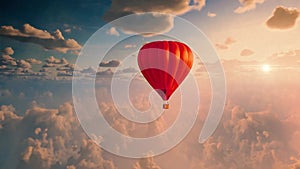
point(247, 5)
point(30, 34)
point(246, 52)
point(211, 14)
point(226, 44)
point(283, 18)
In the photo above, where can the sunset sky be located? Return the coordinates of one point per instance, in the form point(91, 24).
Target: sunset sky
point(257, 42)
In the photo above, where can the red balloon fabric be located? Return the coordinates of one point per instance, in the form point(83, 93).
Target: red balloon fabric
point(165, 64)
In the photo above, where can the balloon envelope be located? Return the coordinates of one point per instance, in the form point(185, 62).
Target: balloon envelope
point(165, 64)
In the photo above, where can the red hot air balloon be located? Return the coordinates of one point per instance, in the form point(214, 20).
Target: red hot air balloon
point(165, 64)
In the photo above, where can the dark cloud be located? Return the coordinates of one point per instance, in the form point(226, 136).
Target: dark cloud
point(247, 5)
point(157, 23)
point(28, 33)
point(283, 18)
point(111, 63)
point(121, 8)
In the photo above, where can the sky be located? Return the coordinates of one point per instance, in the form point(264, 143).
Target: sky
point(257, 43)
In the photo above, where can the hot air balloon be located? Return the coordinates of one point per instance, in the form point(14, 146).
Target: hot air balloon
point(165, 64)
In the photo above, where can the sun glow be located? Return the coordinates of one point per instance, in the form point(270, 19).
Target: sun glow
point(266, 68)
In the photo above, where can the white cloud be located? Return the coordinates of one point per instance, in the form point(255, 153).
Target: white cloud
point(113, 31)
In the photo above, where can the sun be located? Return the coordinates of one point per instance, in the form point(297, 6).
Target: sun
point(266, 68)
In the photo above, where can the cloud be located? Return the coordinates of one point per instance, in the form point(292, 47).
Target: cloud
point(221, 46)
point(120, 8)
point(130, 46)
point(34, 61)
point(247, 5)
point(107, 72)
point(287, 59)
point(144, 24)
point(129, 70)
point(7, 60)
point(54, 60)
point(229, 41)
point(246, 52)
point(48, 139)
point(8, 51)
point(30, 34)
point(111, 63)
point(283, 18)
point(113, 31)
point(68, 30)
point(211, 14)
point(226, 44)
point(146, 163)
point(88, 70)
point(23, 64)
point(162, 22)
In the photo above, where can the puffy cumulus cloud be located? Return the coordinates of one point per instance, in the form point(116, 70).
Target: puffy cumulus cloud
point(34, 61)
point(211, 14)
point(28, 33)
point(157, 23)
point(48, 139)
point(55, 62)
point(246, 52)
point(113, 31)
point(6, 59)
point(24, 64)
point(146, 163)
point(111, 63)
point(244, 139)
point(8, 51)
point(283, 18)
point(247, 5)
